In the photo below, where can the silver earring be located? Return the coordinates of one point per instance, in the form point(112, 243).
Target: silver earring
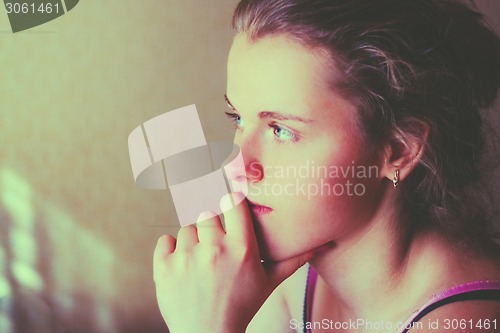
point(395, 180)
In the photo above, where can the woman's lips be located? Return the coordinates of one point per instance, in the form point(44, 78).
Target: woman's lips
point(259, 210)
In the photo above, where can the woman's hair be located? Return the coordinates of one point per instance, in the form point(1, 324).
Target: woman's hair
point(408, 66)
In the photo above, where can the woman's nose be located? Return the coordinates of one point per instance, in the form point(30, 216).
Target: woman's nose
point(245, 167)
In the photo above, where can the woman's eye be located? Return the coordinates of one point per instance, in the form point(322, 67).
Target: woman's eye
point(283, 134)
point(235, 118)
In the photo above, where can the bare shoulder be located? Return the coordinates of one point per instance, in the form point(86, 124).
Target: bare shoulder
point(457, 267)
point(464, 316)
point(281, 307)
point(293, 292)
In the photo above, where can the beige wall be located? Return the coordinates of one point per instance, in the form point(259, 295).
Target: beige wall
point(75, 231)
point(76, 235)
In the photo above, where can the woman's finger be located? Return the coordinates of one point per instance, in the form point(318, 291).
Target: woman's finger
point(209, 227)
point(238, 220)
point(164, 247)
point(187, 238)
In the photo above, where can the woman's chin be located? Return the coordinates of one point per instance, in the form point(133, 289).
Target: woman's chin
point(268, 253)
point(276, 255)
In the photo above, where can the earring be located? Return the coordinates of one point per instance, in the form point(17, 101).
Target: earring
point(395, 180)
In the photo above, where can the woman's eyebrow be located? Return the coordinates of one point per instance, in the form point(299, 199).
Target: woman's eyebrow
point(273, 114)
point(283, 116)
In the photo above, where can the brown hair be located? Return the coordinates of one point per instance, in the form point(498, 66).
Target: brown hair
point(405, 63)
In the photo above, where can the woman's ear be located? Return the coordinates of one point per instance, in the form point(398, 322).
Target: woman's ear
point(404, 151)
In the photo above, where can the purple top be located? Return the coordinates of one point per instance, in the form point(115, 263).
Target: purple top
point(477, 290)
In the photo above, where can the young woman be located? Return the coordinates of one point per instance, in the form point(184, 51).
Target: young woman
point(359, 122)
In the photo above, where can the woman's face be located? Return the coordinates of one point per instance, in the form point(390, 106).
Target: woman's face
point(309, 178)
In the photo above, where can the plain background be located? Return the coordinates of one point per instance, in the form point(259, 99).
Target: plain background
point(76, 235)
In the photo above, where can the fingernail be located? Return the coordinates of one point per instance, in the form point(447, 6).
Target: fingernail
point(230, 200)
point(205, 215)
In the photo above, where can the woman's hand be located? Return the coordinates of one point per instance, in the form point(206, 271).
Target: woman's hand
point(211, 279)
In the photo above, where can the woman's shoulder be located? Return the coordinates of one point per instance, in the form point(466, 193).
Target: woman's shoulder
point(469, 316)
point(468, 295)
point(283, 307)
